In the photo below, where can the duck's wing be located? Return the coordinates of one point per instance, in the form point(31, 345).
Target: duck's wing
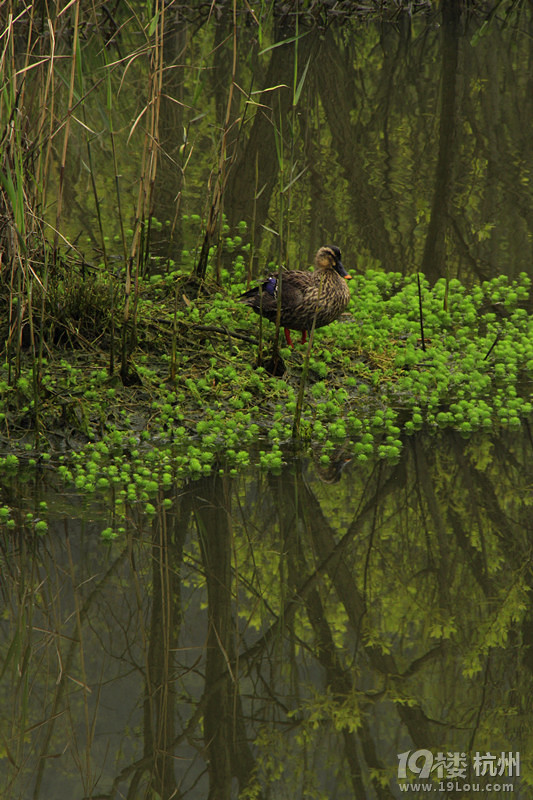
point(294, 286)
point(293, 289)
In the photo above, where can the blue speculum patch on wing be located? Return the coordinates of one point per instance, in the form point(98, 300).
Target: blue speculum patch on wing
point(270, 286)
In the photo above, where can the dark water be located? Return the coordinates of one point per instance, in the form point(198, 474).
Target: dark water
point(293, 635)
point(297, 630)
point(407, 143)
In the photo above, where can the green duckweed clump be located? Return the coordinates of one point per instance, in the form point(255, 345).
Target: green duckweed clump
point(201, 402)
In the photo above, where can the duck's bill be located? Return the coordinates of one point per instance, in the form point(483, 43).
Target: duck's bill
point(342, 272)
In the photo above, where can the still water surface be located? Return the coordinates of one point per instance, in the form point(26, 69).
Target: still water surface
point(407, 143)
point(291, 632)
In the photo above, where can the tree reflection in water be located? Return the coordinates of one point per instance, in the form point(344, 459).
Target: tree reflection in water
point(283, 634)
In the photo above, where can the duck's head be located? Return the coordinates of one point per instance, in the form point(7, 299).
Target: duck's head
point(329, 257)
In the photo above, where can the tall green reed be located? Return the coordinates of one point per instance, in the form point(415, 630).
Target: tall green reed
point(44, 103)
point(21, 193)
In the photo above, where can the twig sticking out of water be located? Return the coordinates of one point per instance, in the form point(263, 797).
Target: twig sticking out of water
point(420, 312)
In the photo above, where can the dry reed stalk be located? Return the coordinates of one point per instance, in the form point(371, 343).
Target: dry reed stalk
point(222, 171)
point(146, 184)
point(67, 126)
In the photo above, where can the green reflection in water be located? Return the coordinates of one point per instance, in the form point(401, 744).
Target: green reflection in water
point(408, 149)
point(291, 633)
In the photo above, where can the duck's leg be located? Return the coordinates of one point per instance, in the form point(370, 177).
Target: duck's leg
point(288, 337)
point(304, 337)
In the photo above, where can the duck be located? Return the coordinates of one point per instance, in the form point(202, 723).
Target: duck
point(306, 297)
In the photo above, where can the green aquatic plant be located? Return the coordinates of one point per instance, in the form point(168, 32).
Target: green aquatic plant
point(369, 385)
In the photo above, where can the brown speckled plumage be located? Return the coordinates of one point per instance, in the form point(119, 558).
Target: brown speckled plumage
point(323, 292)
